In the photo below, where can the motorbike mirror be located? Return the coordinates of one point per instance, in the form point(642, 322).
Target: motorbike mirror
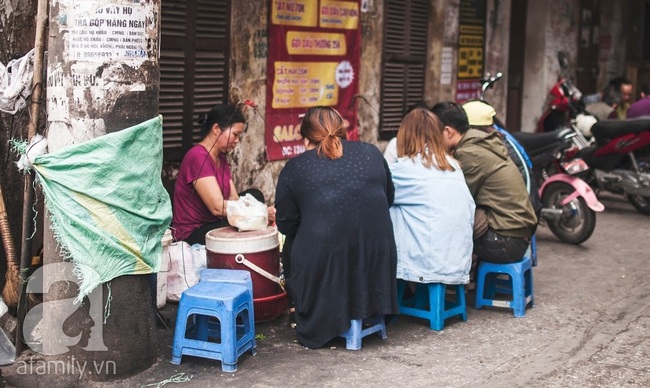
point(563, 59)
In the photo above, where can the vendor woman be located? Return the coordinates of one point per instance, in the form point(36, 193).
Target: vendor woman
point(204, 184)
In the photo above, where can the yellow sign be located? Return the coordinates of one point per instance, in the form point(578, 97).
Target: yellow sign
point(315, 43)
point(470, 62)
point(305, 84)
point(302, 13)
point(469, 29)
point(471, 40)
point(339, 14)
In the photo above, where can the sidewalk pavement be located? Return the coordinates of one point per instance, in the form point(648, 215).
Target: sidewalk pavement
point(590, 327)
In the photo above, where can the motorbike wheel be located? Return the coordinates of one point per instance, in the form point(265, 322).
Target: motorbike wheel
point(578, 221)
point(641, 203)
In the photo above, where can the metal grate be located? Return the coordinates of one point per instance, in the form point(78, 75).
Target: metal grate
point(405, 50)
point(195, 37)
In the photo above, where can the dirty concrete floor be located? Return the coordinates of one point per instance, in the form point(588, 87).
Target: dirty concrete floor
point(590, 327)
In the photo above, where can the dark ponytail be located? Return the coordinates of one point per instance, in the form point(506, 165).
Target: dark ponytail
point(222, 115)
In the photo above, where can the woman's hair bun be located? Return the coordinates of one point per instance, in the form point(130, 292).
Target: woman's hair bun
point(201, 119)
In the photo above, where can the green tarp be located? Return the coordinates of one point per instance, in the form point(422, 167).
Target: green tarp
point(107, 204)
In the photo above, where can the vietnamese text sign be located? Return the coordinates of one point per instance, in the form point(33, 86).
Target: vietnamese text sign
point(471, 39)
point(110, 32)
point(313, 59)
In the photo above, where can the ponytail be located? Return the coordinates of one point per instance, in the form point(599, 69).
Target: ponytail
point(323, 126)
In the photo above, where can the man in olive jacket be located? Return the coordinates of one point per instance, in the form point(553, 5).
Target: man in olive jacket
point(495, 183)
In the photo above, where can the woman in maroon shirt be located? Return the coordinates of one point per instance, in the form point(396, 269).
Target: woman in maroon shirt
point(204, 183)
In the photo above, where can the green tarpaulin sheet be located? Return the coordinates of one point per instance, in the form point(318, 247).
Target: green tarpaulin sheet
point(108, 207)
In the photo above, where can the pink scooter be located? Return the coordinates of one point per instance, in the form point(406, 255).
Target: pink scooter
point(570, 204)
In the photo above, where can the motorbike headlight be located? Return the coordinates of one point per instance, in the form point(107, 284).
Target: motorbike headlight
point(575, 166)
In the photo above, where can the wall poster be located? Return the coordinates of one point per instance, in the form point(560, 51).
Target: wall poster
point(313, 59)
point(471, 49)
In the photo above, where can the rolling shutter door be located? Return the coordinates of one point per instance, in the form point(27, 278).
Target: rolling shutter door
point(193, 68)
point(405, 50)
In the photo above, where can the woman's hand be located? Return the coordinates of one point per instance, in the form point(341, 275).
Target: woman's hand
point(271, 212)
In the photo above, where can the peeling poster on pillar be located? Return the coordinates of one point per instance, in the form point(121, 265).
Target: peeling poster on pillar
point(112, 31)
point(313, 59)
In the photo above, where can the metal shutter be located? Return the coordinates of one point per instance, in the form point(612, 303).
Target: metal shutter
point(193, 68)
point(404, 51)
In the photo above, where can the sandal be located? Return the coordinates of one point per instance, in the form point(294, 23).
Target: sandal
point(292, 318)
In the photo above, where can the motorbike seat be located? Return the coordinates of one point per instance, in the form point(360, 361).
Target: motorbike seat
point(536, 143)
point(605, 130)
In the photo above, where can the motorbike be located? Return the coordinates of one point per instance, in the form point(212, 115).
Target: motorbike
point(619, 160)
point(564, 104)
point(569, 203)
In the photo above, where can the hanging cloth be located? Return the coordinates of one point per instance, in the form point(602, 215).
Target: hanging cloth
point(108, 207)
point(15, 83)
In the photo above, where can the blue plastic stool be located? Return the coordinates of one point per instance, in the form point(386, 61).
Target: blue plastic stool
point(233, 276)
point(430, 302)
point(356, 331)
point(519, 285)
point(533, 250)
point(225, 302)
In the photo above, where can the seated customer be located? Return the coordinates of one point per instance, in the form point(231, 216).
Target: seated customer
point(433, 210)
point(204, 184)
point(339, 255)
point(482, 116)
point(496, 185)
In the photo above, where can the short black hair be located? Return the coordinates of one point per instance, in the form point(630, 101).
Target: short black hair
point(618, 81)
point(452, 115)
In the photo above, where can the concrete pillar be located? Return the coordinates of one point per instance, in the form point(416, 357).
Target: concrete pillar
point(103, 76)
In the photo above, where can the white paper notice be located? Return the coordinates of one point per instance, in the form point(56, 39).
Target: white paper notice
point(112, 32)
point(446, 61)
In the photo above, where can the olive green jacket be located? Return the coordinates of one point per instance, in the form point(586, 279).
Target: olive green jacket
point(495, 183)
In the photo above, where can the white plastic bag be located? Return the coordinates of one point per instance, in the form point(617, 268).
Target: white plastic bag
point(247, 214)
point(584, 124)
point(186, 265)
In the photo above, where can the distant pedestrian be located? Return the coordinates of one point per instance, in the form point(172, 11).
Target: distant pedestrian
point(641, 107)
point(625, 88)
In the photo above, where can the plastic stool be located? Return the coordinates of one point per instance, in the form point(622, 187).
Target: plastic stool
point(233, 276)
point(430, 302)
point(533, 250)
point(225, 302)
point(356, 331)
point(519, 285)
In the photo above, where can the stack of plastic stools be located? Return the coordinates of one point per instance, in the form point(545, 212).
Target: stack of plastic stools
point(226, 302)
point(519, 285)
point(357, 331)
point(430, 302)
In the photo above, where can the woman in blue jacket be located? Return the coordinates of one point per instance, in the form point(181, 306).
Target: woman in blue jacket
point(433, 210)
